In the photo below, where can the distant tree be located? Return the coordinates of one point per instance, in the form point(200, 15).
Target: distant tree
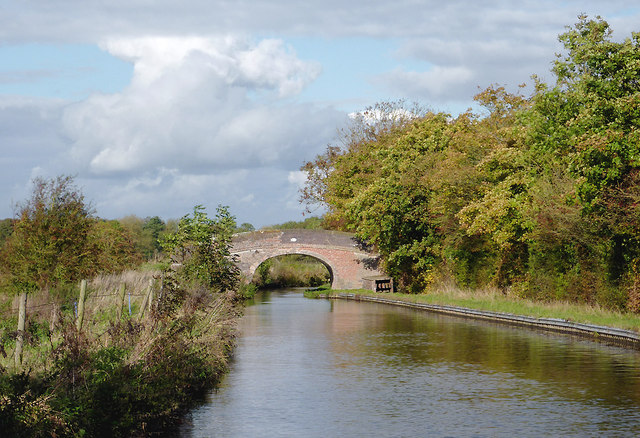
point(6, 228)
point(49, 245)
point(310, 223)
point(245, 227)
point(154, 227)
point(111, 247)
point(145, 234)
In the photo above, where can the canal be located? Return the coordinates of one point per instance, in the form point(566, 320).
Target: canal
point(320, 368)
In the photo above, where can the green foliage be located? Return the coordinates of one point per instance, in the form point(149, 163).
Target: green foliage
point(539, 195)
point(122, 377)
point(56, 241)
point(402, 191)
point(317, 293)
point(146, 234)
point(245, 227)
point(154, 227)
point(24, 411)
point(247, 291)
point(262, 275)
point(50, 238)
point(111, 247)
point(586, 128)
point(6, 229)
point(310, 223)
point(292, 270)
point(200, 248)
point(595, 107)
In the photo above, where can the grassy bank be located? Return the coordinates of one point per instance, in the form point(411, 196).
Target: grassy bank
point(125, 372)
point(495, 301)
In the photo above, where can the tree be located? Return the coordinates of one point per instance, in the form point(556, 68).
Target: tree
point(309, 223)
point(539, 195)
point(6, 228)
point(154, 227)
point(593, 113)
point(590, 124)
point(201, 249)
point(245, 227)
point(145, 233)
point(364, 127)
point(49, 244)
point(111, 247)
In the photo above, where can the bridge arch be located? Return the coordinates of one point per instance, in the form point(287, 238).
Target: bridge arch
point(348, 261)
point(327, 263)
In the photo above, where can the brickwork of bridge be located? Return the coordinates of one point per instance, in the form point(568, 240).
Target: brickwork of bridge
point(348, 261)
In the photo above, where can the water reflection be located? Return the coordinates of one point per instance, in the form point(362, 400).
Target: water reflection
point(339, 368)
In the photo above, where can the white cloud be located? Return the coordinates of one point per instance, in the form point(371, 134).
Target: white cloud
point(269, 64)
point(435, 84)
point(198, 104)
point(297, 177)
point(217, 119)
point(203, 121)
point(78, 19)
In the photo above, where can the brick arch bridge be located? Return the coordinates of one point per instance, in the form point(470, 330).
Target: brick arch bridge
point(349, 262)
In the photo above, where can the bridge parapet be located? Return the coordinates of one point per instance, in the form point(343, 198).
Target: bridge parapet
point(348, 261)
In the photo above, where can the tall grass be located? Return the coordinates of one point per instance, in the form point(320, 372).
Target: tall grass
point(124, 376)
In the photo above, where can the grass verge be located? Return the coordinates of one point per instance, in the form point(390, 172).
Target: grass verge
point(496, 301)
point(319, 292)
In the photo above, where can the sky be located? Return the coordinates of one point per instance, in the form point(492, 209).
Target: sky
point(155, 106)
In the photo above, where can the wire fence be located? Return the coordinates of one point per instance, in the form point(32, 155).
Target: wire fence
point(106, 298)
point(102, 291)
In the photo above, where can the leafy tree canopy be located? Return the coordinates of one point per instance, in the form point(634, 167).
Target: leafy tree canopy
point(539, 195)
point(56, 240)
point(200, 249)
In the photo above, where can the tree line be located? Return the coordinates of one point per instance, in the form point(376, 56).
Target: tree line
point(121, 373)
point(56, 239)
point(538, 195)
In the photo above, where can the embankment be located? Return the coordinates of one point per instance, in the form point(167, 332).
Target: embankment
point(610, 335)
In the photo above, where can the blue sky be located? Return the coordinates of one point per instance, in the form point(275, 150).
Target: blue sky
point(157, 106)
point(64, 71)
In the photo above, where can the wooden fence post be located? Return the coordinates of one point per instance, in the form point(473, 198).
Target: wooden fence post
point(83, 295)
point(53, 320)
point(123, 290)
point(22, 317)
point(146, 301)
point(152, 294)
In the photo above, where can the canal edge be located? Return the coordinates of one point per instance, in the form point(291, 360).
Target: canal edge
point(609, 335)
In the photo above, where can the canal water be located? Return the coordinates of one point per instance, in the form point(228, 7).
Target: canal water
point(320, 368)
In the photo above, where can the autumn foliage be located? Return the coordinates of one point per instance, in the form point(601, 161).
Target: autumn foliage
point(56, 240)
point(537, 195)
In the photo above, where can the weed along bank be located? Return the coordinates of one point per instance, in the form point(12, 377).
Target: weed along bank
point(124, 354)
